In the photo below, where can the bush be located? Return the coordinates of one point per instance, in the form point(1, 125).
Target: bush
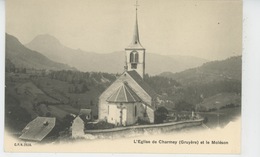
point(205, 120)
point(160, 115)
point(67, 121)
point(142, 121)
point(212, 109)
point(184, 106)
point(99, 125)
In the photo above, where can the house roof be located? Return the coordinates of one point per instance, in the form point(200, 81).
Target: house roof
point(78, 119)
point(139, 80)
point(38, 129)
point(124, 94)
point(85, 111)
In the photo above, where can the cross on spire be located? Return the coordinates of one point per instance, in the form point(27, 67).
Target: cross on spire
point(136, 4)
point(136, 42)
point(136, 33)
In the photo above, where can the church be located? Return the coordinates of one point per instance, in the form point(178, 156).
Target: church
point(129, 99)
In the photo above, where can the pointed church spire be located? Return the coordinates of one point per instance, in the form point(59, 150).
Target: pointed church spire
point(136, 42)
point(136, 32)
point(135, 52)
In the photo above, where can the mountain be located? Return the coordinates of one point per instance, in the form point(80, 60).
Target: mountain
point(23, 57)
point(110, 62)
point(228, 69)
point(213, 81)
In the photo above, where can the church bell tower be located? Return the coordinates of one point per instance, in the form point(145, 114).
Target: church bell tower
point(135, 53)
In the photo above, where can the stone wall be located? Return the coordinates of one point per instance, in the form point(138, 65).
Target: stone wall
point(142, 129)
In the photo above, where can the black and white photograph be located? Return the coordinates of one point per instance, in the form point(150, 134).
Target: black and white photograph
point(132, 76)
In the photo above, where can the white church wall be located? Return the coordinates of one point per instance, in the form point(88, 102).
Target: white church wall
point(140, 111)
point(103, 104)
point(131, 118)
point(124, 117)
point(150, 114)
point(113, 114)
point(128, 117)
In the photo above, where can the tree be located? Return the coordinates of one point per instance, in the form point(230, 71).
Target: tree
point(48, 114)
point(205, 120)
point(91, 103)
point(84, 88)
point(160, 115)
point(184, 106)
point(67, 121)
point(9, 66)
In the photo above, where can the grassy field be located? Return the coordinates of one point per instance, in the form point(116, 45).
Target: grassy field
point(42, 96)
point(220, 100)
point(60, 91)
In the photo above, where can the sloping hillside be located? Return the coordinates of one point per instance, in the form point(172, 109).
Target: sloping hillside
point(216, 81)
point(23, 57)
point(57, 94)
point(221, 100)
point(229, 69)
point(110, 62)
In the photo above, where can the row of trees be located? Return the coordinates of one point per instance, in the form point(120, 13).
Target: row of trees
point(81, 77)
point(161, 84)
point(196, 93)
point(83, 81)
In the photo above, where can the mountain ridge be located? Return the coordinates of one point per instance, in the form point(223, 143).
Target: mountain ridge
point(227, 69)
point(108, 62)
point(23, 57)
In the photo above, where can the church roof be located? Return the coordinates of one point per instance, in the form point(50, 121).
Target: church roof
point(124, 94)
point(139, 80)
point(135, 42)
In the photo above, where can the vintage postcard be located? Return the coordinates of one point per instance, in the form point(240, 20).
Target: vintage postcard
point(146, 76)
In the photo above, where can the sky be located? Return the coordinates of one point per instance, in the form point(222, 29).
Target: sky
point(209, 29)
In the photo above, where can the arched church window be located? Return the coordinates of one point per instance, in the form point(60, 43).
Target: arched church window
point(132, 57)
point(135, 111)
point(136, 57)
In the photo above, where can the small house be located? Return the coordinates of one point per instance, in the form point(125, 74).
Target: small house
point(86, 113)
point(77, 127)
